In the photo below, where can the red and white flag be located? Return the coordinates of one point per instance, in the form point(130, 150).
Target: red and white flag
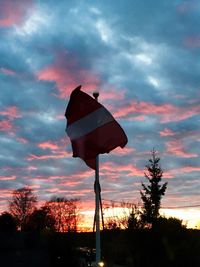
point(91, 128)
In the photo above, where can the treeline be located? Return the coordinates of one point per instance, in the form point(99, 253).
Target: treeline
point(167, 245)
point(59, 214)
point(48, 235)
point(62, 215)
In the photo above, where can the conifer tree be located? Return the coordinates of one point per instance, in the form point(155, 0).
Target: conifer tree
point(152, 193)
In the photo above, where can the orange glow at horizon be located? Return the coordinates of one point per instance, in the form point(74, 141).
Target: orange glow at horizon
point(190, 217)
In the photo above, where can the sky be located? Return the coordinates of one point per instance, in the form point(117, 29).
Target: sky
point(142, 57)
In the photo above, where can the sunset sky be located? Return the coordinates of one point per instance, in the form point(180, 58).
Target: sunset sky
point(142, 56)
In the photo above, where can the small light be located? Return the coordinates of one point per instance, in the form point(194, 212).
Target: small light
point(101, 264)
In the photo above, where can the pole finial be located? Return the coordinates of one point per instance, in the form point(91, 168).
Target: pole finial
point(96, 94)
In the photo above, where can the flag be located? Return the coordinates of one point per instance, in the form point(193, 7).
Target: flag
point(91, 128)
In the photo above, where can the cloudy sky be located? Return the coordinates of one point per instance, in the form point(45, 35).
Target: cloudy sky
point(142, 56)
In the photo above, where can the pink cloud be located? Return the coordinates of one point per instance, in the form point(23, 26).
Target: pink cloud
point(60, 117)
point(70, 192)
point(175, 147)
point(34, 186)
point(180, 135)
point(13, 12)
point(57, 150)
point(110, 168)
point(168, 175)
point(76, 193)
point(57, 155)
point(55, 177)
point(6, 193)
point(167, 132)
point(18, 170)
point(79, 175)
point(166, 112)
point(48, 145)
point(5, 125)
point(7, 71)
point(110, 92)
point(7, 178)
point(188, 169)
point(52, 190)
point(139, 118)
point(145, 108)
point(31, 168)
point(70, 178)
point(22, 140)
point(123, 151)
point(86, 174)
point(11, 112)
point(70, 183)
point(67, 74)
point(185, 169)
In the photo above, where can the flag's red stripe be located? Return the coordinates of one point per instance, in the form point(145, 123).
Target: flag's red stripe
point(80, 105)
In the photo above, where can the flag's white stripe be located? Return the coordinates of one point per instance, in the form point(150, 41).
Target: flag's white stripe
point(89, 123)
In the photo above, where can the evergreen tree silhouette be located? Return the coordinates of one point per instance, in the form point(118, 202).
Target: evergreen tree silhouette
point(152, 193)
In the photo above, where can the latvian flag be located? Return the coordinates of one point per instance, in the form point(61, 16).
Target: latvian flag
point(91, 128)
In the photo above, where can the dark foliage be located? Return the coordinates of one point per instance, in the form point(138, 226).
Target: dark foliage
point(7, 223)
point(22, 249)
point(153, 192)
point(41, 220)
point(169, 245)
point(134, 219)
point(165, 246)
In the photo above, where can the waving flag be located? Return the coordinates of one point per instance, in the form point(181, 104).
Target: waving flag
point(91, 128)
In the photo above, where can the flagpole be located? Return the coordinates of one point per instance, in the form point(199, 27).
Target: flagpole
point(78, 117)
point(97, 203)
point(98, 243)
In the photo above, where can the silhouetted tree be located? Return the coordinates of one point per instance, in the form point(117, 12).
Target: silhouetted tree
point(21, 206)
point(7, 222)
point(41, 219)
point(151, 194)
point(169, 225)
point(134, 219)
point(65, 213)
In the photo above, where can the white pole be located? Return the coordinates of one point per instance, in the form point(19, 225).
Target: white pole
point(97, 219)
point(97, 202)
